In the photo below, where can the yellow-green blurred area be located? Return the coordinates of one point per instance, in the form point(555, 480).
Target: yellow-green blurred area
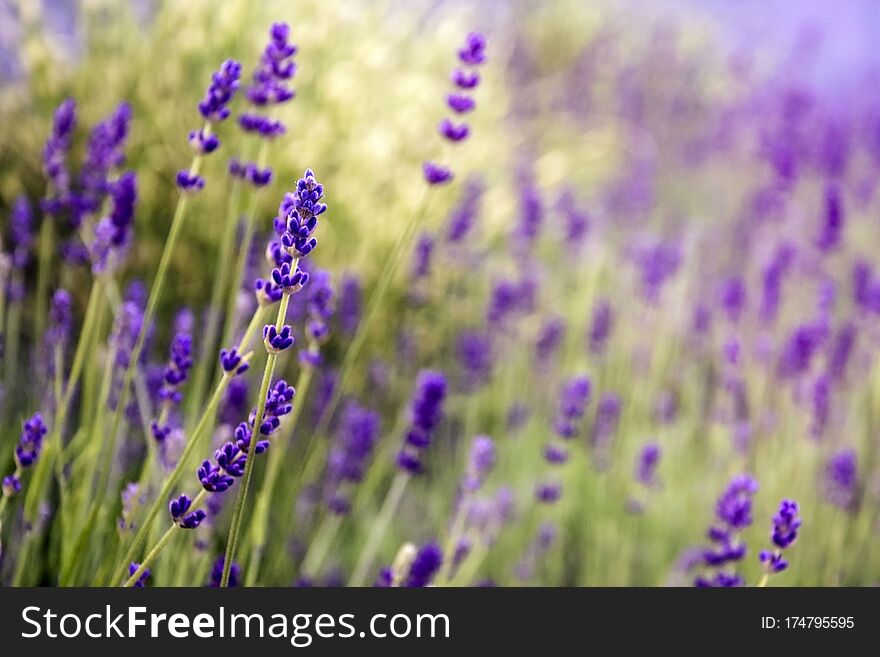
point(370, 84)
point(694, 159)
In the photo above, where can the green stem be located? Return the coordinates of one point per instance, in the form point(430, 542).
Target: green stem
point(763, 581)
point(238, 509)
point(13, 340)
point(273, 469)
point(379, 527)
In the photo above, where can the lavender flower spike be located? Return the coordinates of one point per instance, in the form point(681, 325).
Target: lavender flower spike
point(426, 411)
point(786, 524)
point(27, 451)
point(471, 55)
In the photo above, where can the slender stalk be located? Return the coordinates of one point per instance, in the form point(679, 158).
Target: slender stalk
point(238, 509)
point(379, 527)
point(763, 581)
point(154, 553)
point(276, 455)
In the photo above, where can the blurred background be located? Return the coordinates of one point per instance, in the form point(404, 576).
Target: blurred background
point(670, 152)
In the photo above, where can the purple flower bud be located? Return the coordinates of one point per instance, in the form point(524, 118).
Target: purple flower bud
point(460, 103)
point(276, 69)
point(436, 174)
point(425, 565)
point(189, 182)
point(277, 341)
point(474, 51)
point(601, 326)
point(426, 411)
point(454, 132)
point(481, 459)
point(144, 576)
point(202, 142)
point(831, 232)
point(646, 464)
point(841, 480)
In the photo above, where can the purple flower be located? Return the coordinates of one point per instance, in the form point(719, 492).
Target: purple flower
point(460, 103)
point(831, 232)
point(786, 524)
point(277, 340)
point(287, 280)
point(250, 172)
point(471, 55)
point(217, 573)
point(350, 302)
point(531, 213)
point(276, 69)
point(798, 351)
point(179, 508)
point(267, 292)
point(549, 338)
point(465, 79)
point(104, 152)
point(461, 220)
point(213, 479)
point(734, 513)
point(262, 125)
point(56, 151)
point(733, 298)
point(203, 142)
point(436, 174)
point(600, 326)
point(772, 282)
point(350, 456)
point(841, 349)
point(60, 319)
point(646, 465)
point(473, 351)
point(426, 411)
point(21, 229)
point(425, 565)
point(454, 132)
point(30, 443)
point(11, 485)
point(841, 480)
point(214, 107)
point(302, 218)
point(421, 264)
point(142, 580)
point(577, 222)
point(607, 417)
point(481, 459)
point(573, 401)
point(232, 363)
point(189, 182)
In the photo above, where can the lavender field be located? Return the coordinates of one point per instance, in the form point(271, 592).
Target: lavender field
point(435, 294)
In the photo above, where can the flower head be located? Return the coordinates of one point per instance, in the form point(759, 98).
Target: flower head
point(214, 106)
